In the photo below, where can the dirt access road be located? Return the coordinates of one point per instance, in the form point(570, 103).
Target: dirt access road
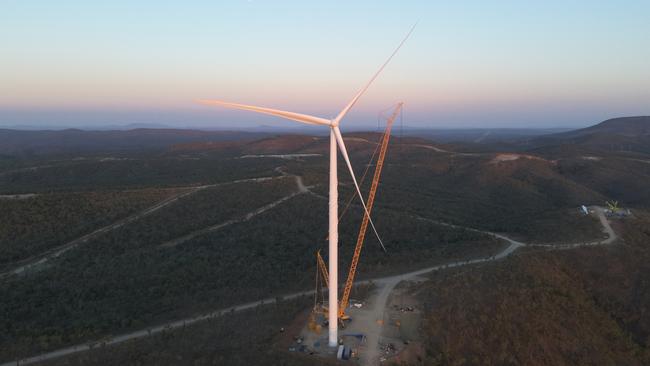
point(385, 287)
point(302, 189)
point(35, 261)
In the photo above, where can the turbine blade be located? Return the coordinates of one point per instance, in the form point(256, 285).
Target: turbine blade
point(298, 117)
point(363, 90)
point(344, 152)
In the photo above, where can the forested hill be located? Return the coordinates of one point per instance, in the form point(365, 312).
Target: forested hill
point(630, 126)
point(627, 134)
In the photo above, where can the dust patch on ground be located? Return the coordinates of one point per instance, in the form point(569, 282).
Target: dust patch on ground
point(17, 196)
point(400, 341)
point(505, 157)
point(594, 158)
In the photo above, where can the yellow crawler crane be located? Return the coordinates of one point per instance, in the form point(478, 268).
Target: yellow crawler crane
point(345, 299)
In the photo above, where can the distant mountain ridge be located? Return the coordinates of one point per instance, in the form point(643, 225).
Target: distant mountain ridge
point(626, 126)
point(624, 134)
point(20, 142)
point(617, 134)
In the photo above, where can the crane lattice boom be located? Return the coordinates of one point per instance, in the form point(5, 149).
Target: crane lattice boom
point(323, 268)
point(345, 299)
point(369, 203)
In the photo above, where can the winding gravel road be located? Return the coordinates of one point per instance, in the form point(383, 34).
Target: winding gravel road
point(301, 190)
point(37, 260)
point(386, 286)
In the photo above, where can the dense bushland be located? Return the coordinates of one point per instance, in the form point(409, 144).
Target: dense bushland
point(586, 306)
point(118, 282)
point(133, 172)
point(30, 226)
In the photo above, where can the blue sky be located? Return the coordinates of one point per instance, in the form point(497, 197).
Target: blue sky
point(468, 64)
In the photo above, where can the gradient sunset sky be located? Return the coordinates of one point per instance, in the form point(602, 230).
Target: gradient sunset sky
point(468, 63)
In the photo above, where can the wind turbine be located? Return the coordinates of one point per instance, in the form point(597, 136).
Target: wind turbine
point(336, 139)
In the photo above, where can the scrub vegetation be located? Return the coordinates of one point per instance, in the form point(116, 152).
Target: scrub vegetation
point(127, 278)
point(576, 307)
point(253, 337)
point(124, 280)
point(34, 224)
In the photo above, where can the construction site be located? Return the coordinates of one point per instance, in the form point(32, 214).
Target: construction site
point(376, 329)
point(325, 183)
point(335, 313)
point(382, 321)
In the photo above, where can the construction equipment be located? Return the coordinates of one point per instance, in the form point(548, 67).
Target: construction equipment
point(321, 282)
point(322, 267)
point(343, 304)
point(364, 224)
point(613, 206)
point(336, 142)
point(613, 210)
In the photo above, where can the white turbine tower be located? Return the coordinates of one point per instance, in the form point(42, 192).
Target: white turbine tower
point(335, 140)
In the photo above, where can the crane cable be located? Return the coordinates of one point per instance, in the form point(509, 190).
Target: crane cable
point(363, 177)
point(372, 158)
